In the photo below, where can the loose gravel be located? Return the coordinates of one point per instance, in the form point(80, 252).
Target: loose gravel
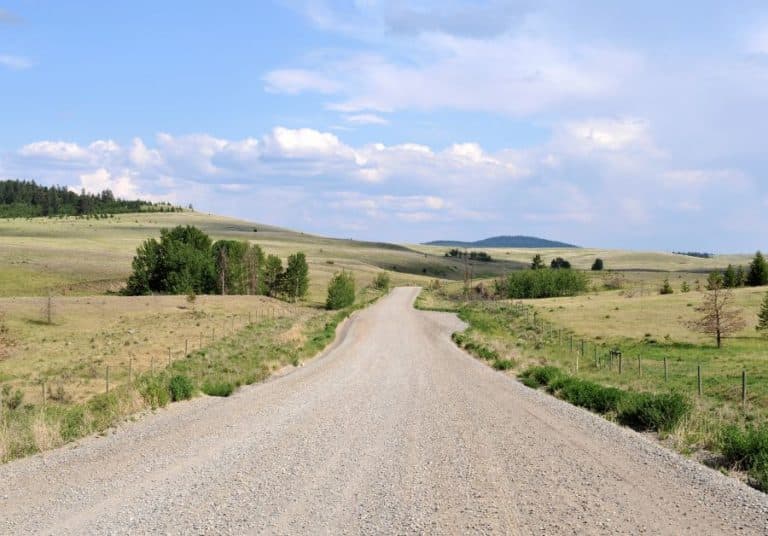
point(394, 430)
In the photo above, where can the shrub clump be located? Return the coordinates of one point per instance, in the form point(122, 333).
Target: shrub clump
point(503, 364)
point(747, 449)
point(648, 411)
point(542, 375)
point(180, 387)
point(592, 396)
point(381, 281)
point(543, 283)
point(341, 291)
point(218, 388)
point(154, 391)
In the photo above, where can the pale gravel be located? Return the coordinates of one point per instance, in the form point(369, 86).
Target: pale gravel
point(393, 431)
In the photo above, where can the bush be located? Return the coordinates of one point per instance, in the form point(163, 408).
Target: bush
point(341, 291)
point(666, 288)
point(154, 391)
point(542, 375)
point(218, 388)
point(180, 387)
point(591, 395)
point(10, 400)
point(381, 281)
point(648, 411)
point(598, 265)
point(73, 424)
point(503, 364)
point(543, 283)
point(747, 449)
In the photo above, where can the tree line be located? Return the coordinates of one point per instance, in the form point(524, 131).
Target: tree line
point(27, 199)
point(186, 261)
point(481, 256)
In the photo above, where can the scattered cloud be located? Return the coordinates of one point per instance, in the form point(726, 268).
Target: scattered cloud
point(366, 119)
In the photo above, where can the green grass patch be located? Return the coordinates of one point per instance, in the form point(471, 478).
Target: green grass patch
point(218, 388)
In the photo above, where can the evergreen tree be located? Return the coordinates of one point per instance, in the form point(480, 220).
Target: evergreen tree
point(560, 262)
point(762, 316)
point(537, 263)
point(729, 277)
point(758, 271)
point(666, 288)
point(597, 265)
point(685, 287)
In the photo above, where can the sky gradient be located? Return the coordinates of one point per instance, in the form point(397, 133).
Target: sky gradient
point(600, 124)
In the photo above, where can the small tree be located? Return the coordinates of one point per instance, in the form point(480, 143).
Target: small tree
point(741, 276)
point(192, 300)
point(685, 287)
point(341, 291)
point(758, 271)
point(273, 274)
point(597, 266)
point(762, 316)
point(560, 262)
point(295, 281)
point(729, 277)
point(719, 318)
point(537, 263)
point(666, 288)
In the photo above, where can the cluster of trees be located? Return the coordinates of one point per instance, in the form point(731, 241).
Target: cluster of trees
point(186, 261)
point(541, 283)
point(557, 263)
point(755, 275)
point(699, 254)
point(27, 199)
point(481, 256)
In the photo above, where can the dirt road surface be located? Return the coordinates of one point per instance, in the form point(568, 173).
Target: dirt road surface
point(393, 431)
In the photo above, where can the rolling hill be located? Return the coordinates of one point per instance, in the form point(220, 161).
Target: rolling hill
point(503, 242)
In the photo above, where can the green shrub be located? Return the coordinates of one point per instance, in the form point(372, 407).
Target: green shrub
point(381, 281)
point(529, 382)
point(73, 424)
point(591, 395)
point(648, 411)
point(341, 291)
point(503, 364)
point(154, 391)
point(542, 375)
point(103, 410)
point(218, 388)
point(743, 447)
point(180, 387)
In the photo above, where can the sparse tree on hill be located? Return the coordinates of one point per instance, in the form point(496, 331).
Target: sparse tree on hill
point(537, 263)
point(559, 263)
point(729, 277)
point(741, 276)
point(685, 287)
point(666, 288)
point(597, 266)
point(762, 316)
point(720, 318)
point(758, 271)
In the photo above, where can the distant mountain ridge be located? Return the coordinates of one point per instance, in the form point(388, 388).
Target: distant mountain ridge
point(503, 242)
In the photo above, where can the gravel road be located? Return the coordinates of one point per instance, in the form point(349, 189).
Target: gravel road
point(393, 431)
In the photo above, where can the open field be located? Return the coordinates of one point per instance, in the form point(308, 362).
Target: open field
point(582, 258)
point(92, 256)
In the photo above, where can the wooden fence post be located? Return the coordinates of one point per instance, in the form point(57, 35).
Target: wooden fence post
point(744, 388)
point(107, 379)
point(621, 363)
point(666, 370)
point(186, 347)
point(698, 374)
point(639, 366)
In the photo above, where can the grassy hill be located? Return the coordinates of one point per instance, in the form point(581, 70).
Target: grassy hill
point(80, 257)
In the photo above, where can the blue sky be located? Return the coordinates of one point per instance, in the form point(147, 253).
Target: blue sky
point(593, 122)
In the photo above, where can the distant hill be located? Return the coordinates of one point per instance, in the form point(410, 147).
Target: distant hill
point(504, 242)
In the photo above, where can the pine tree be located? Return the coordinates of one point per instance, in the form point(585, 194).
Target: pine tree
point(685, 287)
point(762, 316)
point(729, 277)
point(666, 288)
point(597, 265)
point(537, 263)
point(758, 271)
point(741, 277)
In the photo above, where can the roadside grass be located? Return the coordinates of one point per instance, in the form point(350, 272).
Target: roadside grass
point(246, 356)
point(541, 334)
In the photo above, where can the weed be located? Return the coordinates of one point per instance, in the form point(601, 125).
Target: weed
point(154, 391)
point(503, 364)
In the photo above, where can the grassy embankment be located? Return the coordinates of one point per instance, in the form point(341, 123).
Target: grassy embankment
point(279, 335)
point(651, 327)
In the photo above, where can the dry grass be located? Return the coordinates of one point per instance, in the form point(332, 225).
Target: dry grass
point(45, 434)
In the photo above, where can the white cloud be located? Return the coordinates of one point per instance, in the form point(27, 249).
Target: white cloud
point(16, 63)
point(366, 119)
point(101, 179)
point(757, 42)
point(54, 150)
point(515, 75)
point(606, 134)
